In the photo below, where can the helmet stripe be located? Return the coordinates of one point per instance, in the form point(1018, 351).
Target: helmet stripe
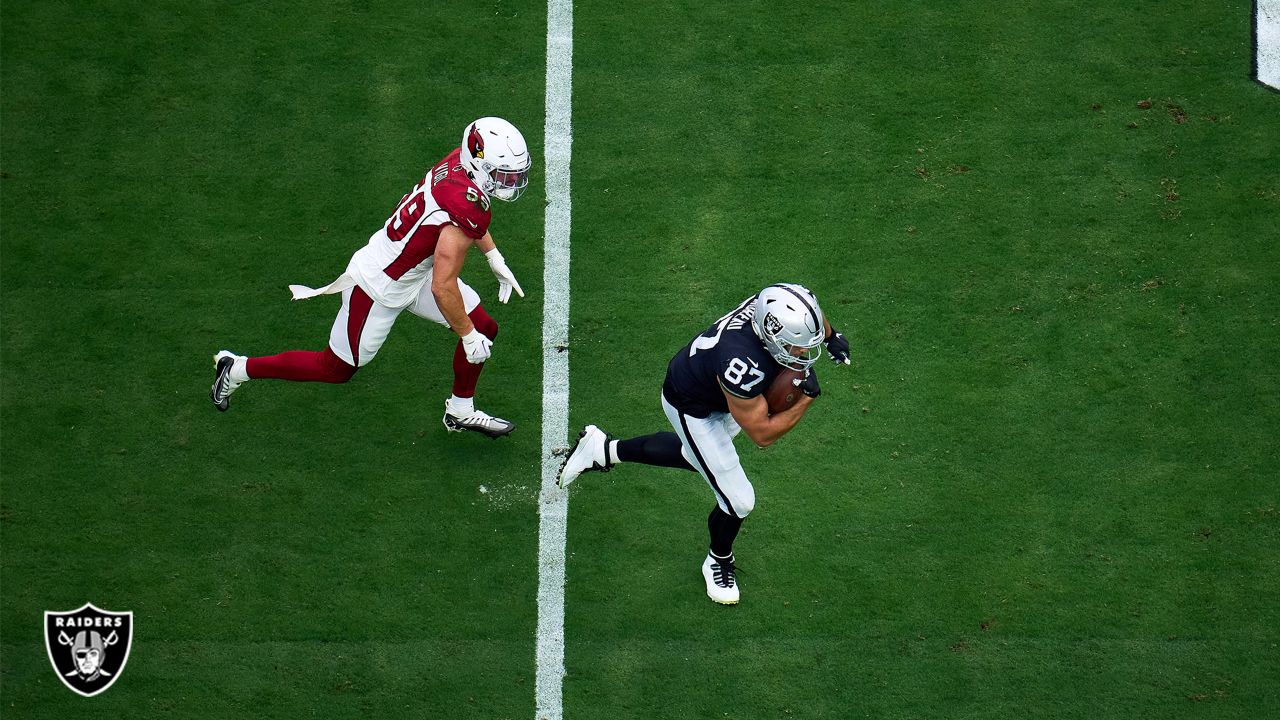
point(816, 319)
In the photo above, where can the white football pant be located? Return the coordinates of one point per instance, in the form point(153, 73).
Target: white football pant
point(708, 446)
point(367, 328)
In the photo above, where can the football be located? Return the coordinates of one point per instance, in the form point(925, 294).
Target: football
point(783, 393)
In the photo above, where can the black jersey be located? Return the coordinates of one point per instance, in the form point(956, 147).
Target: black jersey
point(729, 355)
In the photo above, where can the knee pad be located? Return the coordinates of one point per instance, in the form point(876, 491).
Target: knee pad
point(336, 370)
point(737, 489)
point(483, 322)
point(744, 502)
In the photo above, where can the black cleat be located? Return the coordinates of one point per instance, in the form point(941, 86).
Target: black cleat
point(223, 385)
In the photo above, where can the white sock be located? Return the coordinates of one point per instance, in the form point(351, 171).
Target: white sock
point(240, 369)
point(465, 406)
point(611, 452)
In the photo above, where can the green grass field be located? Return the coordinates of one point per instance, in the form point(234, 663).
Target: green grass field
point(1047, 487)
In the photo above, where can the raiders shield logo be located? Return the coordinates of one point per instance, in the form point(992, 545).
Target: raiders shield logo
point(88, 647)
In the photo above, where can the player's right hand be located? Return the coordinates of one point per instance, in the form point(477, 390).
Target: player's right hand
point(809, 386)
point(837, 348)
point(476, 346)
point(506, 278)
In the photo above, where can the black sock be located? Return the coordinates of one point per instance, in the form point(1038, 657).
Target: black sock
point(723, 528)
point(662, 449)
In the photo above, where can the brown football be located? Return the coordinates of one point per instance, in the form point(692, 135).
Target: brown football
point(783, 393)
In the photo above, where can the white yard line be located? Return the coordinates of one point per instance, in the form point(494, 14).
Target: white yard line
point(553, 503)
point(1266, 52)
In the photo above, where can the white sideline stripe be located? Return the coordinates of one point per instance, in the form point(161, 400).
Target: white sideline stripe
point(553, 503)
point(1267, 51)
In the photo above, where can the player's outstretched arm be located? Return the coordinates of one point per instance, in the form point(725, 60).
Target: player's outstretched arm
point(451, 251)
point(752, 414)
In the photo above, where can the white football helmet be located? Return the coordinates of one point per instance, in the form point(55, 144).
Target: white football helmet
point(496, 157)
point(789, 322)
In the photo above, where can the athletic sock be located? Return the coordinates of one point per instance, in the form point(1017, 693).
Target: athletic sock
point(662, 449)
point(462, 405)
point(301, 366)
point(240, 369)
point(465, 373)
point(723, 528)
point(611, 453)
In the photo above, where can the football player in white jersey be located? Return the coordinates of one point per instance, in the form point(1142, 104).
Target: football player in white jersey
point(412, 263)
point(714, 389)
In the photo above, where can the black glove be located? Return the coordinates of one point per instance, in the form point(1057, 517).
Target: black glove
point(809, 386)
point(837, 348)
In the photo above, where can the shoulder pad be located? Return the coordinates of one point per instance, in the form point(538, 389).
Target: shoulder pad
point(468, 208)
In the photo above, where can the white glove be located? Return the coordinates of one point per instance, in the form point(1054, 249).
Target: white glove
point(476, 346)
point(506, 280)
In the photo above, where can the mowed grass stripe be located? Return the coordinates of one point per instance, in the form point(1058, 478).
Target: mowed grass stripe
point(1059, 415)
point(161, 186)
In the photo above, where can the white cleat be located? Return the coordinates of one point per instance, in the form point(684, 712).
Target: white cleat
point(476, 421)
point(590, 454)
point(722, 580)
point(223, 385)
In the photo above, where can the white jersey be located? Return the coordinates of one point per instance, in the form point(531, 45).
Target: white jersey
point(393, 266)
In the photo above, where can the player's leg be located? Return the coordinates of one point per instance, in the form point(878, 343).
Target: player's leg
point(358, 332)
point(731, 426)
point(466, 375)
point(663, 449)
point(460, 412)
point(597, 451)
point(708, 443)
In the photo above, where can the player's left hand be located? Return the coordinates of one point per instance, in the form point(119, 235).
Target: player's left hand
point(809, 385)
point(837, 348)
point(506, 279)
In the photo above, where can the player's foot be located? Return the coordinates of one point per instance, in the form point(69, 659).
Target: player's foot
point(476, 421)
point(589, 455)
point(722, 581)
point(223, 385)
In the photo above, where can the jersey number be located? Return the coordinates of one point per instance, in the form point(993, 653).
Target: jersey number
point(737, 370)
point(411, 209)
point(478, 198)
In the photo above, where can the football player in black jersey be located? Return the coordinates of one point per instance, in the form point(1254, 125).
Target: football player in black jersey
point(715, 389)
